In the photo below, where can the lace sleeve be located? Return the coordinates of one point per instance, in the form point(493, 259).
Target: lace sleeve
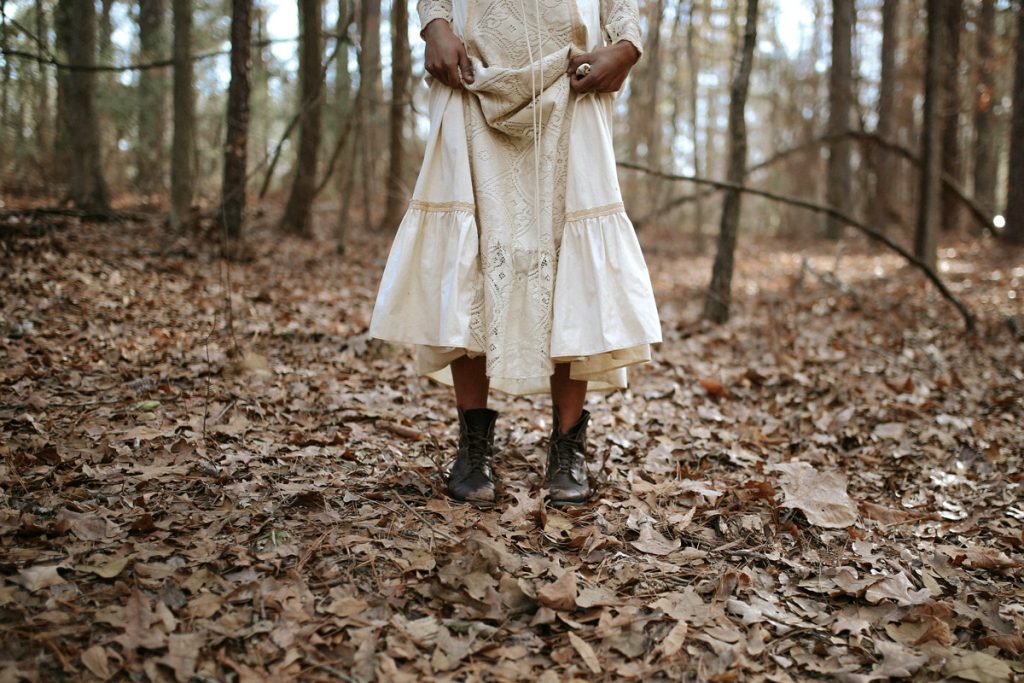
point(621, 21)
point(434, 9)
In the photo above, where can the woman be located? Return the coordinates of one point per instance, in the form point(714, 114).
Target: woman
point(515, 266)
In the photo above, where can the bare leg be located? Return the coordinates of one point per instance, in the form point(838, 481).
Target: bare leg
point(471, 384)
point(568, 396)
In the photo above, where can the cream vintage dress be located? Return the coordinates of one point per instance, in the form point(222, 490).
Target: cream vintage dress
point(516, 245)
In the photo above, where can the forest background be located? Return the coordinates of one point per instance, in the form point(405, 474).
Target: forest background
point(210, 472)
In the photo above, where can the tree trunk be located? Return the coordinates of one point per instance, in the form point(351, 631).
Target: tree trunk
point(1015, 176)
point(345, 111)
point(698, 167)
point(986, 157)
point(926, 234)
point(236, 143)
point(883, 161)
point(43, 126)
point(5, 87)
point(298, 211)
point(840, 100)
point(183, 147)
point(954, 14)
point(150, 156)
point(719, 296)
point(88, 188)
point(371, 97)
point(401, 73)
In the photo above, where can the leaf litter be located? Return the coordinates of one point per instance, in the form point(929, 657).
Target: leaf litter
point(829, 486)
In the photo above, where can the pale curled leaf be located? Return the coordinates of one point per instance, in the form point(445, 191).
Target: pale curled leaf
point(653, 543)
point(820, 495)
point(673, 642)
point(560, 594)
point(40, 576)
point(586, 652)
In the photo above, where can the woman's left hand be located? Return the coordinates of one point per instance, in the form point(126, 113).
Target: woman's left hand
point(609, 66)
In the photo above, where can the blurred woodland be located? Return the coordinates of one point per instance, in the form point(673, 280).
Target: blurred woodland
point(210, 472)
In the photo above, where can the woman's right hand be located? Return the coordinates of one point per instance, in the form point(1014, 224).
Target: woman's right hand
point(446, 57)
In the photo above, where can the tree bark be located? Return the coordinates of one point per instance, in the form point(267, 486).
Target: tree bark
point(694, 69)
point(150, 155)
point(345, 110)
point(298, 211)
point(43, 125)
point(371, 97)
point(183, 147)
point(986, 157)
point(719, 297)
point(236, 143)
point(840, 182)
point(926, 233)
point(883, 162)
point(1015, 175)
point(401, 73)
point(953, 18)
point(77, 35)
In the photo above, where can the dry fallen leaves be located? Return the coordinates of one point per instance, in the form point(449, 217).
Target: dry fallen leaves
point(179, 501)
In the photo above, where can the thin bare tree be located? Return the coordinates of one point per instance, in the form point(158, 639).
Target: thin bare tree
point(719, 296)
point(183, 145)
point(951, 163)
point(882, 209)
point(1015, 176)
point(76, 36)
point(236, 144)
point(150, 160)
point(401, 74)
point(840, 103)
point(986, 155)
point(927, 231)
point(298, 211)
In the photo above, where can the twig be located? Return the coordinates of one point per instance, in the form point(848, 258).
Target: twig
point(980, 214)
point(829, 211)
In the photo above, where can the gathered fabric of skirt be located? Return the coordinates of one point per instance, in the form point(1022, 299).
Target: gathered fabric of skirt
point(516, 245)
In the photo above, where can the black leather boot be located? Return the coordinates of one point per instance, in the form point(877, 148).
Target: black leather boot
point(566, 477)
point(471, 478)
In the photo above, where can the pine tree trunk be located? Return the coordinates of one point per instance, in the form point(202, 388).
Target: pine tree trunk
point(236, 143)
point(986, 157)
point(150, 155)
point(927, 231)
point(840, 182)
point(401, 73)
point(951, 166)
point(883, 160)
point(1015, 176)
point(183, 147)
point(298, 211)
point(719, 296)
point(88, 188)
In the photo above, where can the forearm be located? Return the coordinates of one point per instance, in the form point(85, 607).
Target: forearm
point(621, 22)
point(429, 10)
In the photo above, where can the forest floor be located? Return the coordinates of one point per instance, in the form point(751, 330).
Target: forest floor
point(829, 486)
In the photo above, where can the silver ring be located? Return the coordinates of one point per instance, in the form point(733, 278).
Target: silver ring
point(582, 70)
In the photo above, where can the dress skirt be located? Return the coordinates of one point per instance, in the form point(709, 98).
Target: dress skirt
point(516, 245)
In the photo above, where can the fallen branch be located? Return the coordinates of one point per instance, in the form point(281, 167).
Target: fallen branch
point(828, 211)
point(950, 183)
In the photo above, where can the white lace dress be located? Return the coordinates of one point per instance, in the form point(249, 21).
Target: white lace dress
point(516, 245)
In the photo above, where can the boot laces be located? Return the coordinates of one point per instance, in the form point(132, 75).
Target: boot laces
point(478, 450)
point(566, 453)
